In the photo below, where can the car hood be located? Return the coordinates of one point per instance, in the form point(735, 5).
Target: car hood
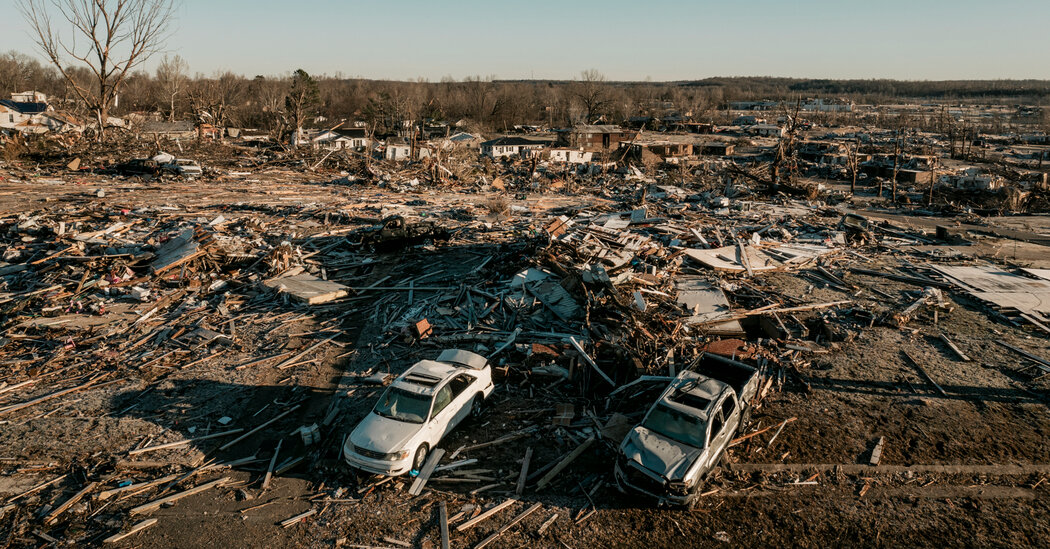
point(659, 454)
point(382, 434)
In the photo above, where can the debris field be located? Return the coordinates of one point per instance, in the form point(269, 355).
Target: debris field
point(184, 359)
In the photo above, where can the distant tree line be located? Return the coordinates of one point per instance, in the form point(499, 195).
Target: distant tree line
point(482, 103)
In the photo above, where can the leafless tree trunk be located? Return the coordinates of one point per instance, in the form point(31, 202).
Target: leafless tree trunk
point(896, 164)
point(110, 37)
point(853, 162)
point(171, 75)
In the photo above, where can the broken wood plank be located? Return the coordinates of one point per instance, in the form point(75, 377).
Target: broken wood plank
point(273, 461)
point(428, 469)
point(259, 428)
point(547, 524)
point(106, 494)
point(565, 461)
point(291, 361)
point(524, 471)
point(134, 530)
point(508, 526)
point(36, 488)
point(876, 454)
point(962, 356)
point(182, 442)
point(740, 439)
point(52, 516)
point(1041, 363)
point(286, 523)
point(443, 523)
point(924, 373)
point(586, 358)
point(156, 504)
point(476, 520)
point(90, 383)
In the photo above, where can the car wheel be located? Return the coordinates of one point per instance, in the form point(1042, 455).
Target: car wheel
point(421, 457)
point(476, 406)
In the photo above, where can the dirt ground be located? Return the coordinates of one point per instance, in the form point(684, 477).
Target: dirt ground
point(961, 469)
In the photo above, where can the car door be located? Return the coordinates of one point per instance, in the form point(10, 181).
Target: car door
point(462, 396)
point(441, 414)
point(725, 423)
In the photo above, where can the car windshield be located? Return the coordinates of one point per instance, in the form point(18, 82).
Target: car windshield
point(403, 406)
point(676, 425)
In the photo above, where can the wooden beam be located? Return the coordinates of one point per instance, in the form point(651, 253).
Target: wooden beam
point(586, 358)
point(182, 442)
point(424, 474)
point(524, 471)
point(105, 494)
point(52, 516)
point(156, 504)
point(259, 428)
point(565, 461)
point(443, 523)
point(476, 520)
point(134, 530)
point(508, 526)
point(962, 356)
point(297, 518)
point(273, 461)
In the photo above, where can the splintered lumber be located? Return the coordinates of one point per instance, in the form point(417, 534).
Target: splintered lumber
point(1041, 363)
point(52, 516)
point(37, 488)
point(156, 504)
point(424, 474)
point(565, 461)
point(876, 454)
point(958, 352)
point(547, 524)
point(524, 471)
point(508, 526)
point(291, 361)
point(106, 494)
point(476, 520)
point(443, 523)
point(182, 442)
point(56, 394)
point(259, 428)
point(586, 358)
point(297, 518)
point(134, 530)
point(273, 461)
point(916, 280)
point(740, 439)
point(500, 440)
point(924, 373)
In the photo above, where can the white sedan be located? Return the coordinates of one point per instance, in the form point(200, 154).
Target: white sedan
point(419, 408)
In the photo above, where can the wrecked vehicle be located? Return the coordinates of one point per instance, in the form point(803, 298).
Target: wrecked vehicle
point(417, 410)
point(137, 166)
point(394, 233)
point(184, 167)
point(685, 433)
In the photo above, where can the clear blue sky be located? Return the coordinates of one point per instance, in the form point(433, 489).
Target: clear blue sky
point(624, 39)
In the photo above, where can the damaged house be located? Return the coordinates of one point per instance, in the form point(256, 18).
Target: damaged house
point(592, 137)
point(503, 147)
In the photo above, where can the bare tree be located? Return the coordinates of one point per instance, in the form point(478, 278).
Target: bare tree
point(592, 92)
point(115, 36)
point(171, 75)
point(853, 163)
point(303, 97)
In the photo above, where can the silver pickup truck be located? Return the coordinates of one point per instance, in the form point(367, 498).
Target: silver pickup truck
point(686, 431)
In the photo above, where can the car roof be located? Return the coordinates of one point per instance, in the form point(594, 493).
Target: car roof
point(693, 394)
point(425, 376)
